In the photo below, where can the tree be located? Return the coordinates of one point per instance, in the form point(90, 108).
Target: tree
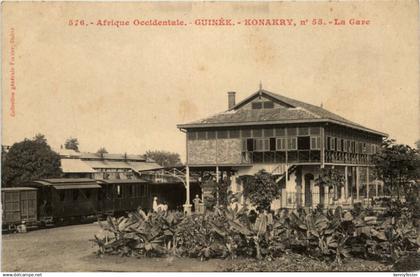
point(72, 143)
point(40, 138)
point(397, 165)
point(101, 151)
point(261, 189)
point(418, 144)
point(164, 158)
point(28, 160)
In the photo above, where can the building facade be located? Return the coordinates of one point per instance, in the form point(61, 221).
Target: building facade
point(292, 140)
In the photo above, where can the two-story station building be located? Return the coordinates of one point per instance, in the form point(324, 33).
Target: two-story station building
point(289, 138)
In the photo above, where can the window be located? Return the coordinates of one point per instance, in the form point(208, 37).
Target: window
point(281, 144)
point(280, 132)
point(119, 191)
point(268, 133)
point(246, 133)
point(222, 134)
point(315, 143)
point(201, 135)
point(192, 135)
point(250, 144)
point(268, 105)
point(291, 131)
point(266, 144)
point(328, 143)
point(345, 145)
point(303, 131)
point(62, 196)
point(339, 144)
point(259, 145)
point(272, 144)
point(256, 105)
point(234, 133)
point(75, 194)
point(257, 133)
point(291, 143)
point(304, 143)
point(88, 193)
point(211, 134)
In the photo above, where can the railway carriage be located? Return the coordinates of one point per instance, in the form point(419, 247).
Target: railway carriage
point(70, 198)
point(120, 196)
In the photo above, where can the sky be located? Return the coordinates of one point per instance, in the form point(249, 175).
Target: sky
point(127, 88)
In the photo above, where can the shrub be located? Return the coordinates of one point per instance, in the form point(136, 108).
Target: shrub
point(226, 232)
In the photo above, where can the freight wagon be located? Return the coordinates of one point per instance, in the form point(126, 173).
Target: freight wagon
point(19, 205)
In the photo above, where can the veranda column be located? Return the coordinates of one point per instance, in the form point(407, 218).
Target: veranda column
point(187, 206)
point(217, 182)
point(346, 183)
point(298, 174)
point(357, 182)
point(367, 183)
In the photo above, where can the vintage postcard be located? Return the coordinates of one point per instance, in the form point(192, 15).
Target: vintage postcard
point(210, 136)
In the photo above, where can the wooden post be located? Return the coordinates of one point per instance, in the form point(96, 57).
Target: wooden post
point(346, 183)
point(322, 147)
point(187, 205)
point(377, 188)
point(367, 184)
point(217, 182)
point(357, 182)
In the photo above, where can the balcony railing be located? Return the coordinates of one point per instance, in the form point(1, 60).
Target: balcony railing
point(350, 158)
point(293, 200)
point(295, 156)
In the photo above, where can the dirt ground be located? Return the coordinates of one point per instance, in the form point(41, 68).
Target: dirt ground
point(69, 249)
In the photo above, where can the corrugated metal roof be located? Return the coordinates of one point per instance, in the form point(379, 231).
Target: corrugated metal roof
point(136, 166)
point(145, 166)
point(108, 164)
point(119, 181)
point(77, 186)
point(107, 156)
point(75, 166)
point(68, 183)
point(67, 180)
point(68, 153)
point(17, 189)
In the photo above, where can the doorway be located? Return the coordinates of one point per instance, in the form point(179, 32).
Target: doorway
point(308, 192)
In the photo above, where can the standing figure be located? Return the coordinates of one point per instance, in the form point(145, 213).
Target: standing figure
point(155, 204)
point(197, 201)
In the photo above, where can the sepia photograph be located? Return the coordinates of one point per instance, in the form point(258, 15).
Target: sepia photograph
point(177, 136)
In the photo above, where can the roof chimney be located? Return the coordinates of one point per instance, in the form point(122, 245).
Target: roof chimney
point(231, 99)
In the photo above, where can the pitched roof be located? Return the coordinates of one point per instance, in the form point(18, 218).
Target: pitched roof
point(75, 166)
point(107, 156)
point(291, 111)
point(137, 166)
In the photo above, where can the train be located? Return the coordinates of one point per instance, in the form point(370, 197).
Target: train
point(50, 202)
